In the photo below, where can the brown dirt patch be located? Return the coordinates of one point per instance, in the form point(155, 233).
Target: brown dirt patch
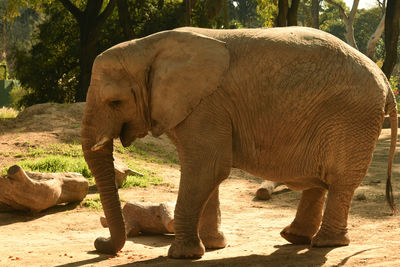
point(64, 235)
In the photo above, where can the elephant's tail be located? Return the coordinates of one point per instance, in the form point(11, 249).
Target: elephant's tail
point(391, 108)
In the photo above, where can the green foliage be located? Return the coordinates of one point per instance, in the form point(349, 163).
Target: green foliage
point(8, 113)
point(395, 84)
point(331, 21)
point(48, 71)
point(11, 9)
point(17, 93)
point(268, 10)
point(3, 71)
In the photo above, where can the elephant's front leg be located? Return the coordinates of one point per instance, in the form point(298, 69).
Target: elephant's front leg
point(204, 143)
point(192, 201)
point(308, 217)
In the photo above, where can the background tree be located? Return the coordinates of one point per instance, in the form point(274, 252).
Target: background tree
point(49, 70)
point(9, 11)
point(366, 26)
point(391, 36)
point(48, 64)
point(124, 19)
point(315, 6)
point(370, 51)
point(267, 11)
point(348, 20)
point(287, 16)
point(90, 22)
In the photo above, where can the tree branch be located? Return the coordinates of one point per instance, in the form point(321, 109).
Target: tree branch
point(354, 9)
point(374, 38)
point(341, 9)
point(73, 9)
point(106, 13)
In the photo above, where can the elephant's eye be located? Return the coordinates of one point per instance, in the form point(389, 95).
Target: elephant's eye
point(115, 103)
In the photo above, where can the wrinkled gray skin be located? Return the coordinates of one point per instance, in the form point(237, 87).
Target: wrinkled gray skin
point(292, 105)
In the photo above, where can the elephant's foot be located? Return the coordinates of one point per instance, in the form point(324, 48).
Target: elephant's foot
point(214, 241)
point(293, 237)
point(329, 239)
point(186, 249)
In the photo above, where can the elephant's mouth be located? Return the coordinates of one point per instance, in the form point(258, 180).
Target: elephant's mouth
point(127, 137)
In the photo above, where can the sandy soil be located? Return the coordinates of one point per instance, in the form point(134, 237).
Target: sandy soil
point(64, 235)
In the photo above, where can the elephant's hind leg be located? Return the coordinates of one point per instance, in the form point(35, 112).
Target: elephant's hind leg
point(308, 217)
point(333, 231)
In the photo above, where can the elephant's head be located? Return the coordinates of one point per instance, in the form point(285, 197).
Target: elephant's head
point(149, 84)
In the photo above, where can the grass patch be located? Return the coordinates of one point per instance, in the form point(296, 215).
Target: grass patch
point(68, 150)
point(56, 163)
point(8, 113)
point(150, 152)
point(63, 157)
point(93, 203)
point(145, 181)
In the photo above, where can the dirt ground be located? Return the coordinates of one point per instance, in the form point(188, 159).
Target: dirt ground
point(64, 235)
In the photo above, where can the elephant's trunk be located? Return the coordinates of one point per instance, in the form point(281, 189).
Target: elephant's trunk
point(102, 167)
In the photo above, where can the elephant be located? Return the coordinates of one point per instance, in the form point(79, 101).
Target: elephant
point(292, 105)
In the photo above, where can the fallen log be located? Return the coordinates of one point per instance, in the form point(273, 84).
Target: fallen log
point(264, 192)
point(147, 218)
point(35, 191)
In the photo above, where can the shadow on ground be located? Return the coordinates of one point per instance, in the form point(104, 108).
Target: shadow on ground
point(10, 217)
point(286, 255)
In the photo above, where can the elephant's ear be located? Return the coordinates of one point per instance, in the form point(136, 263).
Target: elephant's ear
point(187, 68)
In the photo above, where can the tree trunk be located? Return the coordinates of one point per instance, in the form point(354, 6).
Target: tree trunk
point(315, 13)
point(349, 34)
point(88, 53)
point(348, 21)
point(287, 16)
point(391, 36)
point(374, 38)
point(226, 15)
point(124, 19)
point(90, 22)
point(283, 8)
point(4, 46)
point(188, 12)
point(292, 13)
